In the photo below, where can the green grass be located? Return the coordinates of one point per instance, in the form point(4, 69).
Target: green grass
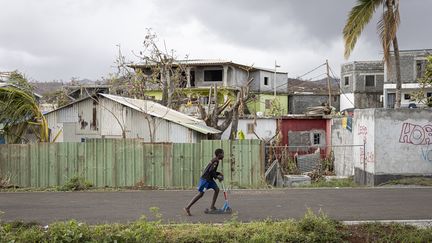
point(333, 183)
point(419, 181)
point(311, 228)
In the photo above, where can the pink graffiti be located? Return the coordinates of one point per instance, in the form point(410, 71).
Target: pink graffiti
point(416, 134)
point(367, 157)
point(363, 131)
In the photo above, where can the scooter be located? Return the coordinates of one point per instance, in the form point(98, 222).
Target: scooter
point(226, 209)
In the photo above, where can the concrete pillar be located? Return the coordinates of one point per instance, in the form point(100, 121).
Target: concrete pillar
point(225, 76)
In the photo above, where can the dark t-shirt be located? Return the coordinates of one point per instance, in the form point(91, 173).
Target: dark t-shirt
point(210, 172)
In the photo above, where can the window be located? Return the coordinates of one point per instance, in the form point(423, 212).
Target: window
point(408, 97)
point(370, 80)
point(316, 138)
point(213, 75)
point(266, 81)
point(346, 80)
point(250, 128)
point(267, 104)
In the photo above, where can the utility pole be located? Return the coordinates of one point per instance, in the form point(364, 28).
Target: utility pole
point(274, 79)
point(328, 83)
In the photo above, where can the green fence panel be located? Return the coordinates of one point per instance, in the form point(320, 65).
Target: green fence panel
point(130, 162)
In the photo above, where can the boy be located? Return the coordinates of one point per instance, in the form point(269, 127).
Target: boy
point(207, 181)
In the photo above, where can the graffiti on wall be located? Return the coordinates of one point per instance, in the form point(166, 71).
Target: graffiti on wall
point(418, 135)
point(362, 132)
point(365, 156)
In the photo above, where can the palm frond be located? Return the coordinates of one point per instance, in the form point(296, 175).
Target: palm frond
point(358, 18)
point(19, 108)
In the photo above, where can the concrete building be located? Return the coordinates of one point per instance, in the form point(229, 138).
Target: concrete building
point(413, 64)
point(199, 75)
point(255, 128)
point(110, 116)
point(361, 85)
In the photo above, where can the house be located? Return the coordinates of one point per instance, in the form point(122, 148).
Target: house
point(413, 64)
point(111, 116)
point(200, 75)
point(75, 92)
point(263, 128)
point(304, 134)
point(305, 94)
point(361, 85)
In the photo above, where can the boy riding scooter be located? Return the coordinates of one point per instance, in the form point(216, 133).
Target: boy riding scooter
point(207, 181)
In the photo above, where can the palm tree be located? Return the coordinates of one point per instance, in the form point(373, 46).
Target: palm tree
point(20, 111)
point(359, 17)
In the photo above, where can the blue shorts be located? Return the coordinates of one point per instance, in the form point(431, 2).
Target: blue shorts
point(204, 185)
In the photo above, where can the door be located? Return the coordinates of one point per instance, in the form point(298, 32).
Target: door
point(391, 97)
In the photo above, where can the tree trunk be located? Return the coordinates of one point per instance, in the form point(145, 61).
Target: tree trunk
point(164, 82)
point(171, 88)
point(234, 124)
point(398, 73)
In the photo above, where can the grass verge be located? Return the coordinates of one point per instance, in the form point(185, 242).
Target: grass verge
point(311, 228)
point(418, 181)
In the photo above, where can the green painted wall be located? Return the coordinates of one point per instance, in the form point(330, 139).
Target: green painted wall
point(128, 162)
point(258, 105)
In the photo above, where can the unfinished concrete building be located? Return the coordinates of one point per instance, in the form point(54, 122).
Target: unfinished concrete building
point(362, 85)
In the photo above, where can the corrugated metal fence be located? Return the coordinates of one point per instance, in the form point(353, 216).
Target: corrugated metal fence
point(128, 162)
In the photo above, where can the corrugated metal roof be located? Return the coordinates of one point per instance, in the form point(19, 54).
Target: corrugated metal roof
point(158, 110)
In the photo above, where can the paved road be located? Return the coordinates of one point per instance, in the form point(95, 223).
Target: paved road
point(122, 207)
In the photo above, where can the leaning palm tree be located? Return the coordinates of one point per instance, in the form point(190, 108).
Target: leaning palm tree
point(19, 111)
point(359, 17)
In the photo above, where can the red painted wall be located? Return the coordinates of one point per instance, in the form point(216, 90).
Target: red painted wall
point(298, 125)
point(304, 124)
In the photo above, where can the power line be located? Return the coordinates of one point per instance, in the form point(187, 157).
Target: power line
point(303, 75)
point(311, 71)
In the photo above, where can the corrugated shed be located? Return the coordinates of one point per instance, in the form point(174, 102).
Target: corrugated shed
point(158, 110)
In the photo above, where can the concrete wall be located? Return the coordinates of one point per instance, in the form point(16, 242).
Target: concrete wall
point(398, 144)
point(364, 133)
point(298, 103)
point(408, 65)
point(265, 128)
point(281, 82)
point(364, 96)
point(342, 139)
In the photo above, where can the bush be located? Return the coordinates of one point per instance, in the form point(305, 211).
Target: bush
point(75, 184)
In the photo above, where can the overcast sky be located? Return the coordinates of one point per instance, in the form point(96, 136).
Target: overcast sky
point(60, 39)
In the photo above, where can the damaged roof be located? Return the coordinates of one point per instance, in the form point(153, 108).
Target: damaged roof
point(158, 110)
point(210, 62)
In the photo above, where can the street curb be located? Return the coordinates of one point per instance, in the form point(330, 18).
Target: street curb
point(422, 223)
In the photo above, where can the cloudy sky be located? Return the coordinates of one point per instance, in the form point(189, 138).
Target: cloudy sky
point(60, 39)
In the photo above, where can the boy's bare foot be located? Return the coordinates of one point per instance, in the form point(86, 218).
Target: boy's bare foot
point(187, 211)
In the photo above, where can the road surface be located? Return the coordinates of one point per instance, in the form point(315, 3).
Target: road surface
point(126, 206)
